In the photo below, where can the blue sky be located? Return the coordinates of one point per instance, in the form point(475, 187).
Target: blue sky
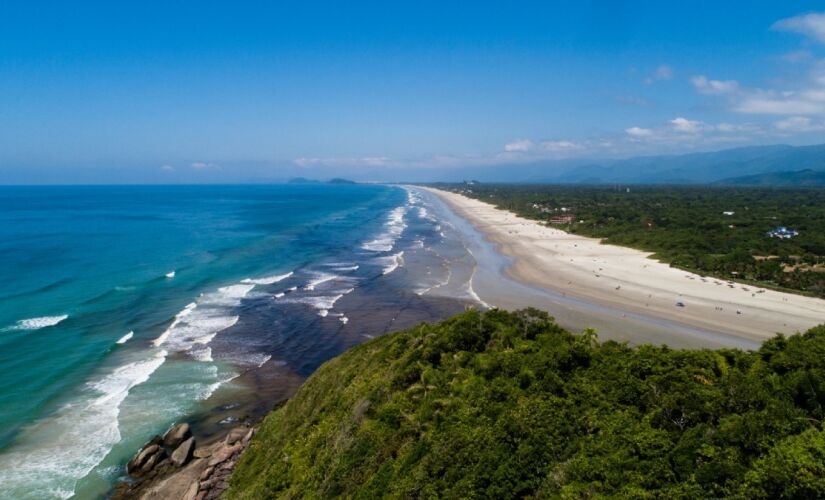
point(152, 92)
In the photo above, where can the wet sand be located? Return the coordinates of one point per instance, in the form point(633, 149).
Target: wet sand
point(619, 291)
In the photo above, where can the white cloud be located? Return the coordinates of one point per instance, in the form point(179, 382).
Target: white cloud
point(662, 72)
point(704, 85)
point(798, 56)
point(529, 150)
point(167, 168)
point(684, 125)
point(737, 127)
point(810, 102)
point(683, 134)
point(811, 25)
point(561, 146)
point(200, 165)
point(367, 161)
point(799, 97)
point(799, 124)
point(518, 146)
point(638, 132)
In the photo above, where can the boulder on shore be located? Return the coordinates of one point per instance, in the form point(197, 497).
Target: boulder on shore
point(224, 453)
point(151, 463)
point(176, 435)
point(236, 435)
point(146, 458)
point(183, 453)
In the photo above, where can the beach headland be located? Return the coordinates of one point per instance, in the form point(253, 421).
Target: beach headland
point(577, 271)
point(491, 258)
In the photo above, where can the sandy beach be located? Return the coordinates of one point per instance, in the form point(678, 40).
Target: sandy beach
point(627, 279)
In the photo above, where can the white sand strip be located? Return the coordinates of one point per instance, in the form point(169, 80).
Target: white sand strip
point(628, 279)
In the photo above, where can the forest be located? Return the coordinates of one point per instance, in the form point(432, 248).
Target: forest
point(509, 405)
point(713, 230)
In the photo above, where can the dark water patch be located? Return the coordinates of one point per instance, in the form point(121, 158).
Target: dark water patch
point(43, 289)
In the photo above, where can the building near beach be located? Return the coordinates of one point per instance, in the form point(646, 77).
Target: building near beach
point(562, 219)
point(783, 232)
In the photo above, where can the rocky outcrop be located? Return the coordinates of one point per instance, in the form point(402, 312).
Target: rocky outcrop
point(147, 458)
point(183, 452)
point(220, 464)
point(175, 448)
point(185, 470)
point(176, 435)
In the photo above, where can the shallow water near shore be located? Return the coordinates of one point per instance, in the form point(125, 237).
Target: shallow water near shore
point(143, 306)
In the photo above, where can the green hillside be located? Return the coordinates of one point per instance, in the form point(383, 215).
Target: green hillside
point(505, 405)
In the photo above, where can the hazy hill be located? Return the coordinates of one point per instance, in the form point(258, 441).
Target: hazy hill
point(339, 180)
point(701, 167)
point(798, 178)
point(694, 168)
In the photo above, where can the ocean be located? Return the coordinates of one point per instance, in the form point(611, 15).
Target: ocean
point(125, 309)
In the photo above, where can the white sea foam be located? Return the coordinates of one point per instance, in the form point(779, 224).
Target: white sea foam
point(228, 294)
point(178, 318)
point(200, 321)
point(326, 303)
point(203, 354)
point(48, 459)
point(37, 323)
point(170, 274)
point(391, 262)
point(269, 280)
point(125, 338)
point(343, 319)
point(247, 359)
point(412, 196)
point(323, 303)
point(346, 268)
point(470, 290)
point(263, 360)
point(319, 279)
point(279, 295)
point(394, 228)
point(475, 296)
point(426, 290)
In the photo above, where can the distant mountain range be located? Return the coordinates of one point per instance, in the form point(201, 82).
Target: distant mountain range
point(702, 167)
point(787, 165)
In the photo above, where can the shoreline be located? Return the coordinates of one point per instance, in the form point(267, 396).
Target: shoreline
point(583, 269)
point(381, 296)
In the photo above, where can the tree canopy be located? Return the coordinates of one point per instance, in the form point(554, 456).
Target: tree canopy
point(508, 405)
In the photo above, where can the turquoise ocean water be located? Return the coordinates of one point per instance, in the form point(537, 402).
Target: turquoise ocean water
point(113, 299)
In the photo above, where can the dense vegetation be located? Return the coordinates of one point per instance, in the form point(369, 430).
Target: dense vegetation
point(505, 405)
point(687, 227)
